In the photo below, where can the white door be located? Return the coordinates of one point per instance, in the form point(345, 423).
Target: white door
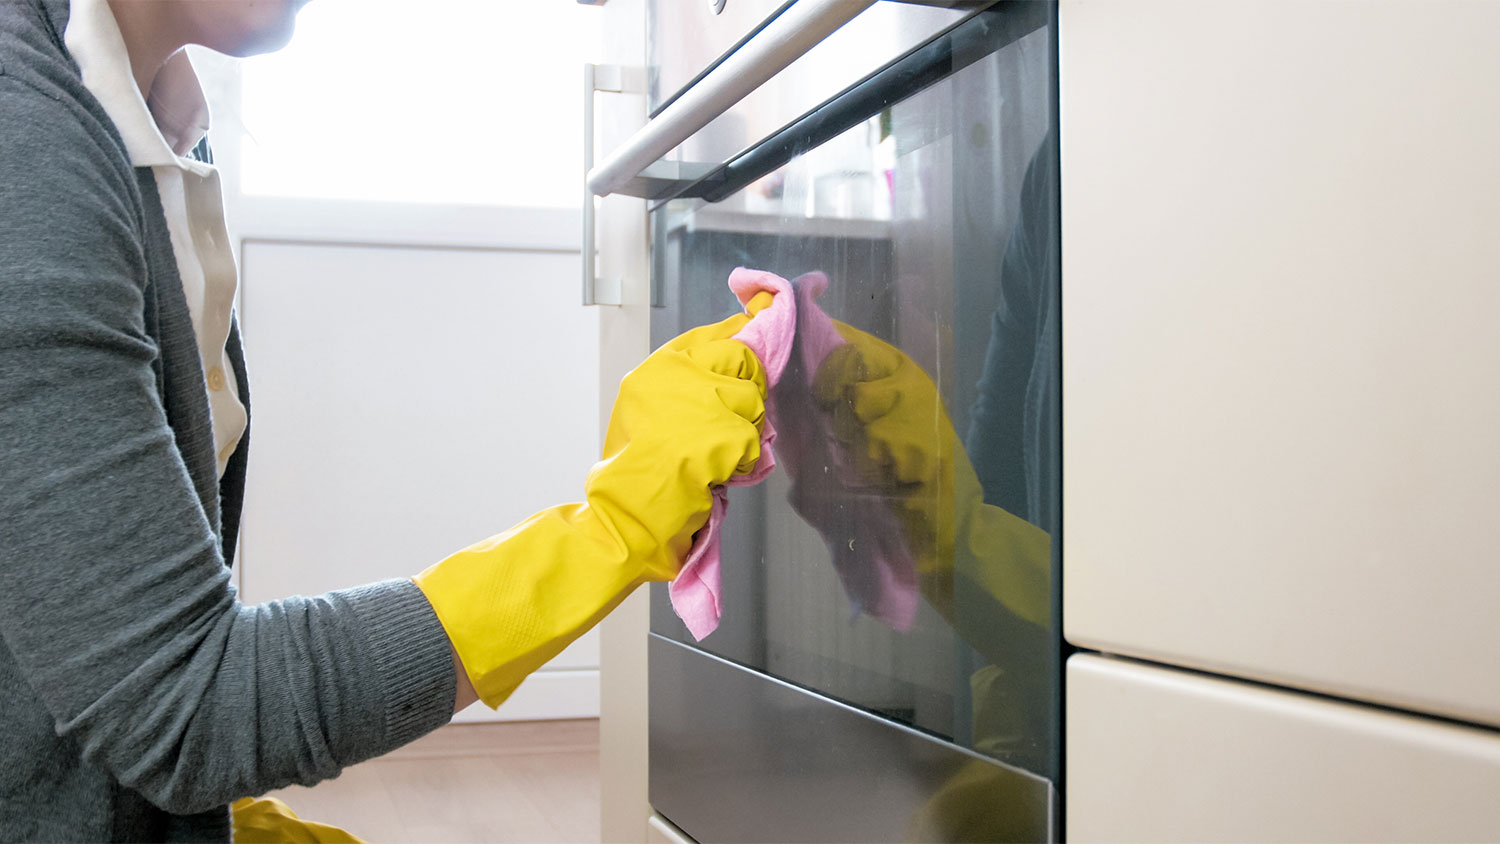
point(423, 374)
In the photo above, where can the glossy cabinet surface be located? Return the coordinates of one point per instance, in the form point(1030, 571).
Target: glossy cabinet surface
point(1157, 754)
point(1282, 424)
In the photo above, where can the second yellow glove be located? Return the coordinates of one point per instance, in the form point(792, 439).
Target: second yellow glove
point(888, 411)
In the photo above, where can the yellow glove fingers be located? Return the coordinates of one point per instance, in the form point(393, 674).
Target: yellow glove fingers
point(907, 460)
point(881, 359)
point(843, 366)
point(721, 330)
point(889, 413)
point(883, 413)
point(905, 424)
point(738, 381)
point(730, 358)
point(676, 392)
point(736, 436)
point(722, 447)
point(759, 302)
point(868, 371)
point(674, 385)
point(872, 401)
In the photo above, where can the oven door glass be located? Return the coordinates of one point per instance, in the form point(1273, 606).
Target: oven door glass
point(904, 557)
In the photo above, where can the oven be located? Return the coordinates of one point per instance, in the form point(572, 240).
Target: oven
point(888, 664)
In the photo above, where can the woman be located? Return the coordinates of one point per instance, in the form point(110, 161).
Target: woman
point(140, 698)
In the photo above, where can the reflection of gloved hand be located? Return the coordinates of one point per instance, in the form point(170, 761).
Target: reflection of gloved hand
point(888, 414)
point(685, 420)
point(987, 571)
point(983, 802)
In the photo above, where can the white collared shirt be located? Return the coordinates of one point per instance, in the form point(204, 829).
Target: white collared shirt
point(159, 131)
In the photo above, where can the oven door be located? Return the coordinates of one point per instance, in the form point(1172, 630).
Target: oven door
point(887, 665)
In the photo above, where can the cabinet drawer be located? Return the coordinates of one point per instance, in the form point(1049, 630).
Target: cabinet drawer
point(1157, 754)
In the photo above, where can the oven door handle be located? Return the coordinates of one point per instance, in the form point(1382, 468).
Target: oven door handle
point(784, 40)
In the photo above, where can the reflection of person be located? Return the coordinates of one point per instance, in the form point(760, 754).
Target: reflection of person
point(1015, 422)
point(139, 697)
point(888, 414)
point(1012, 442)
point(985, 570)
point(983, 566)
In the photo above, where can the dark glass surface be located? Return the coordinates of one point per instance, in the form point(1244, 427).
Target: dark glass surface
point(738, 757)
point(925, 472)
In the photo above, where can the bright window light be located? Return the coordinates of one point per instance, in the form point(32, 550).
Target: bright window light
point(443, 101)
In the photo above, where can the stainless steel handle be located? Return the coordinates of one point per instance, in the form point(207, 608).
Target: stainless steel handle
point(783, 41)
point(595, 78)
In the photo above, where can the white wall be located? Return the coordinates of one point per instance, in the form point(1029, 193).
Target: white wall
point(407, 402)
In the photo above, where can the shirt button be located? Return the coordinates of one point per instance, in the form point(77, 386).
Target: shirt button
point(216, 379)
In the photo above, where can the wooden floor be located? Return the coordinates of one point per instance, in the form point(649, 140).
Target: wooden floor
point(530, 781)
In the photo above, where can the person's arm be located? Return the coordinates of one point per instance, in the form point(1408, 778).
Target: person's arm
point(466, 695)
point(686, 420)
point(114, 599)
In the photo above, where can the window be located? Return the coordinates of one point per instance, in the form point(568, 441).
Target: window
point(428, 101)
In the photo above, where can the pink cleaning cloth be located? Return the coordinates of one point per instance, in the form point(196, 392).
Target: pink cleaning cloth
point(869, 549)
point(696, 591)
point(864, 538)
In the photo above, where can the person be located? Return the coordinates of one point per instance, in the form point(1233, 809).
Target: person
point(139, 696)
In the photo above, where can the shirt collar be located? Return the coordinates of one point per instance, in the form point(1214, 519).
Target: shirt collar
point(157, 130)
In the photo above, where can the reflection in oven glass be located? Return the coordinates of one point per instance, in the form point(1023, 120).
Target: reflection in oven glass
point(904, 560)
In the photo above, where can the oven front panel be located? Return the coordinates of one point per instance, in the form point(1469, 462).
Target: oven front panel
point(890, 644)
point(686, 40)
point(737, 758)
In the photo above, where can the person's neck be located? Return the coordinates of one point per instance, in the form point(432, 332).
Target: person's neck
point(150, 37)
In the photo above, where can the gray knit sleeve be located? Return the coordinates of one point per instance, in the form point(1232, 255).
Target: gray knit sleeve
point(114, 599)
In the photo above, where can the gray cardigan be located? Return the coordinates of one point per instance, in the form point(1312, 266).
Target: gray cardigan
point(138, 697)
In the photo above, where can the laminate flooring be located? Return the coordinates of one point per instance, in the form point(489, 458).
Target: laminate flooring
point(529, 781)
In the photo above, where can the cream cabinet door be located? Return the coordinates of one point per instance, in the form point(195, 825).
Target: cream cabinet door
point(1162, 755)
point(1281, 363)
point(408, 401)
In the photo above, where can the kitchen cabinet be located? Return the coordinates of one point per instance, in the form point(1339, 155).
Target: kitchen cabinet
point(1161, 754)
point(408, 401)
point(1280, 358)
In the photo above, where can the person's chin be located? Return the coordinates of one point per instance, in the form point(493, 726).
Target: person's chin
point(266, 42)
point(270, 35)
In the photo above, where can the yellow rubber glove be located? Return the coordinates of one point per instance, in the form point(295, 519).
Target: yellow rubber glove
point(685, 420)
point(887, 411)
point(267, 820)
